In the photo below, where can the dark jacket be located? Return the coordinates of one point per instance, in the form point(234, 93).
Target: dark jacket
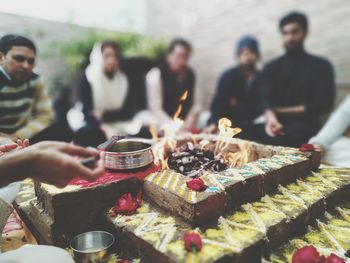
point(173, 89)
point(299, 78)
point(250, 96)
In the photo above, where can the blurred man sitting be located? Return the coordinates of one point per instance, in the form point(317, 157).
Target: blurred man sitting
point(240, 92)
point(301, 85)
point(24, 105)
point(167, 83)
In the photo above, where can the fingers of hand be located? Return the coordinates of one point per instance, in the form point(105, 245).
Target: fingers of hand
point(26, 143)
point(98, 170)
point(49, 145)
point(269, 130)
point(8, 147)
point(19, 143)
point(77, 169)
point(79, 151)
point(69, 149)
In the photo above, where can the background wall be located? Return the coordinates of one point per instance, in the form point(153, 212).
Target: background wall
point(214, 26)
point(45, 34)
point(64, 47)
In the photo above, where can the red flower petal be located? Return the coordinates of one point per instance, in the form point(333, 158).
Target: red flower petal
point(306, 147)
point(192, 241)
point(127, 204)
point(321, 259)
point(196, 184)
point(306, 254)
point(333, 258)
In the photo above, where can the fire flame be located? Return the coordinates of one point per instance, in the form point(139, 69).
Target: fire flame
point(238, 158)
point(153, 132)
point(181, 101)
point(225, 128)
point(226, 132)
point(170, 130)
point(184, 96)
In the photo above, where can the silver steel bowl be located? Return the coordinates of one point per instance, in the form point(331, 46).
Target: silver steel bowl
point(128, 154)
point(91, 247)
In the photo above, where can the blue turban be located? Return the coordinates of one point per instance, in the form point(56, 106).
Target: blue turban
point(248, 42)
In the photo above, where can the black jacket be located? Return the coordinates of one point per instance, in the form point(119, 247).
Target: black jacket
point(299, 78)
point(250, 96)
point(173, 89)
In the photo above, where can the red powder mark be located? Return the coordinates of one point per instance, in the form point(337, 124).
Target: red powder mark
point(110, 176)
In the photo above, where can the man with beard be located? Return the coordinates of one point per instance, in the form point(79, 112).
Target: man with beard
point(25, 109)
point(240, 93)
point(301, 86)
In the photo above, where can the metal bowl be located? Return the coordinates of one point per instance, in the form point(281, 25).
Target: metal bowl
point(92, 246)
point(128, 154)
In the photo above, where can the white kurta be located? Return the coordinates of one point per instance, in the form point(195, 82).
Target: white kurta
point(332, 139)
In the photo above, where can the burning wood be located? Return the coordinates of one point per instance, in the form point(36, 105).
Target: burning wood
point(191, 160)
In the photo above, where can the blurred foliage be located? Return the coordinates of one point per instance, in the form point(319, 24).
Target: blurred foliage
point(76, 51)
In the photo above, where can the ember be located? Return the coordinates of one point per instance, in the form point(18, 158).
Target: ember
point(194, 158)
point(192, 161)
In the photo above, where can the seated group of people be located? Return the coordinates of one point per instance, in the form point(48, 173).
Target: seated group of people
point(125, 96)
point(281, 105)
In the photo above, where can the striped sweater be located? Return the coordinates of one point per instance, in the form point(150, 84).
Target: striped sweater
point(25, 110)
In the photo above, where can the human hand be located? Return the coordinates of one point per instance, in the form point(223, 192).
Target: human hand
point(107, 130)
point(22, 143)
point(7, 147)
point(191, 121)
point(12, 146)
point(211, 129)
point(233, 102)
point(98, 114)
point(274, 128)
point(57, 163)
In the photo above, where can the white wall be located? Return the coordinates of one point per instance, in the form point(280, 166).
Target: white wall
point(118, 15)
point(214, 26)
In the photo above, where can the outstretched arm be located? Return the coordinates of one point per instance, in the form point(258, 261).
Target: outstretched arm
point(298, 109)
point(49, 162)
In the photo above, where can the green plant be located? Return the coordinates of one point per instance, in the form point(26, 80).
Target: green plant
point(75, 52)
